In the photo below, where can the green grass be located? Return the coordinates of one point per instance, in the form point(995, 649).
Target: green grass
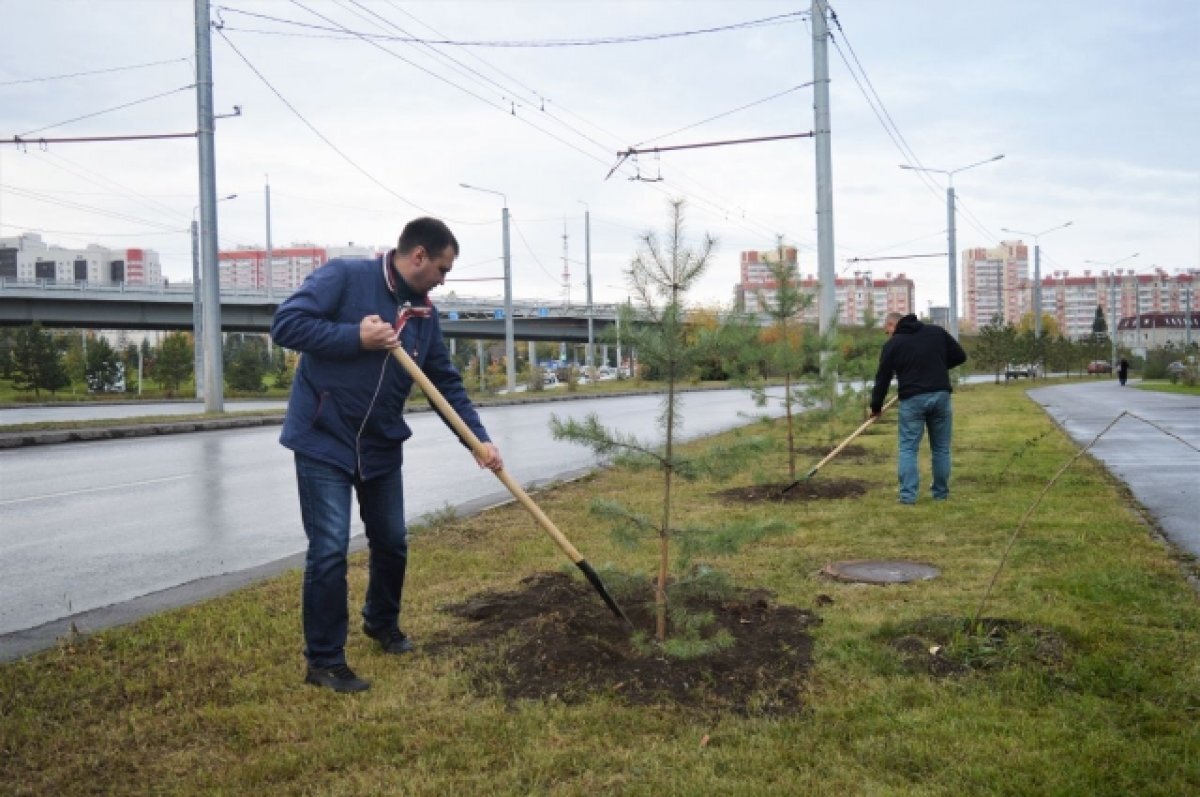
point(208, 699)
point(1169, 387)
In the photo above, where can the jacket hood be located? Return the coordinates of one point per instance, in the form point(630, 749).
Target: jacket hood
point(908, 325)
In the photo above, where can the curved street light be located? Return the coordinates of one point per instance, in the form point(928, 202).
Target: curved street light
point(1112, 299)
point(951, 232)
point(509, 347)
point(1037, 272)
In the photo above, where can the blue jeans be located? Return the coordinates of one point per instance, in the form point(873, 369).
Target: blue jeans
point(932, 411)
point(325, 510)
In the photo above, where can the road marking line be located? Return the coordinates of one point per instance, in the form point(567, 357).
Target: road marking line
point(91, 490)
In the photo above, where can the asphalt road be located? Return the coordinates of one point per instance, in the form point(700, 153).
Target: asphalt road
point(99, 533)
point(1154, 449)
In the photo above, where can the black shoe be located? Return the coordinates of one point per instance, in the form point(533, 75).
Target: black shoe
point(392, 641)
point(339, 678)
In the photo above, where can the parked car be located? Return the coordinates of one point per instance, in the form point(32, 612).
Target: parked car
point(1176, 368)
point(1017, 370)
point(1099, 367)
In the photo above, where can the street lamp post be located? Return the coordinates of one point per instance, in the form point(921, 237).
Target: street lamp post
point(1037, 272)
point(509, 349)
point(197, 311)
point(950, 231)
point(1112, 300)
point(589, 358)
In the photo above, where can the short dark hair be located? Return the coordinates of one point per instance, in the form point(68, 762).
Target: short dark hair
point(427, 232)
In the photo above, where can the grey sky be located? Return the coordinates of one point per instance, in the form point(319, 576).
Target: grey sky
point(1095, 105)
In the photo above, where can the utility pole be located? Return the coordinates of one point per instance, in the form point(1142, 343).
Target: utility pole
point(824, 170)
point(589, 356)
point(270, 265)
point(197, 315)
point(510, 354)
point(214, 377)
point(1037, 272)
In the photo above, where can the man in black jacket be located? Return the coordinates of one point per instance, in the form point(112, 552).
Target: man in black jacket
point(920, 356)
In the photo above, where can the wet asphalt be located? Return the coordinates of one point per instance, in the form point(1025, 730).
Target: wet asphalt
point(1153, 446)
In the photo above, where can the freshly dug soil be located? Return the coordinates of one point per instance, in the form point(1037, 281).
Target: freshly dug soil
point(554, 639)
point(814, 489)
point(852, 451)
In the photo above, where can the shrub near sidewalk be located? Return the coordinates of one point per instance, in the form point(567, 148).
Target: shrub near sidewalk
point(208, 699)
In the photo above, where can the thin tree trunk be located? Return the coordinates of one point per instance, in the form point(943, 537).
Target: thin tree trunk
point(791, 439)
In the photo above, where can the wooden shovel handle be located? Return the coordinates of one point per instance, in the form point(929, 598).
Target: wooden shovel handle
point(467, 436)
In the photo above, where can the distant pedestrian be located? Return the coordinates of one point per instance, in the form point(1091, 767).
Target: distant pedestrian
point(920, 356)
point(1123, 371)
point(345, 425)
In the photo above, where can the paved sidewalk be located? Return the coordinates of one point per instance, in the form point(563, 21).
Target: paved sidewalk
point(1157, 453)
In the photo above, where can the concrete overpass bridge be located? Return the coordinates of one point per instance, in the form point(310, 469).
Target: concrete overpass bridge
point(86, 306)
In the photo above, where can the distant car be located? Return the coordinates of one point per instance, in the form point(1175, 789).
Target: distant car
point(1099, 367)
point(1176, 368)
point(1017, 370)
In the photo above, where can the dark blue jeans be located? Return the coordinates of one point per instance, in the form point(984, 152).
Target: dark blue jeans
point(924, 411)
point(325, 511)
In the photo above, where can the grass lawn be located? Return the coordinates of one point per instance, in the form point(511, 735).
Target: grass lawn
point(209, 700)
point(1165, 386)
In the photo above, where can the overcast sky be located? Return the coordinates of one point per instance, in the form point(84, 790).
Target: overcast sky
point(1095, 105)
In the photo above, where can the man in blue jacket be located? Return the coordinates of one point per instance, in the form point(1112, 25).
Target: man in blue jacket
point(920, 356)
point(345, 425)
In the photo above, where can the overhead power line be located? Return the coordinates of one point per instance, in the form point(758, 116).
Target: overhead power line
point(777, 19)
point(92, 72)
point(87, 139)
point(110, 110)
point(622, 156)
point(727, 113)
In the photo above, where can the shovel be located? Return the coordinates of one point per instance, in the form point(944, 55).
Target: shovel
point(866, 424)
point(467, 436)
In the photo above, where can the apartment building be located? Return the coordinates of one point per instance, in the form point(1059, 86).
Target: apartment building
point(245, 267)
point(28, 258)
point(1072, 299)
point(991, 283)
point(859, 299)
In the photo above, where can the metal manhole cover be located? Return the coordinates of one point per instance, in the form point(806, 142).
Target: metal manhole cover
point(880, 571)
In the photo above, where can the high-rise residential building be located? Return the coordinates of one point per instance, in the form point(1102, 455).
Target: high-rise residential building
point(27, 258)
point(991, 283)
point(1072, 300)
point(862, 298)
point(245, 268)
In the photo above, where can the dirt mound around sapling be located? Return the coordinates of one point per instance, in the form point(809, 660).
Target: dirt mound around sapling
point(554, 639)
point(814, 489)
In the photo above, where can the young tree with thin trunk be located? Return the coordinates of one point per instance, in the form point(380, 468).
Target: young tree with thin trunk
point(660, 276)
point(786, 305)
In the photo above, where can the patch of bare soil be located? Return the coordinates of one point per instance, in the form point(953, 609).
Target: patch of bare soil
point(554, 639)
point(852, 451)
point(814, 489)
point(949, 646)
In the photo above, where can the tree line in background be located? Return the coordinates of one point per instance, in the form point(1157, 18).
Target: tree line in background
point(733, 348)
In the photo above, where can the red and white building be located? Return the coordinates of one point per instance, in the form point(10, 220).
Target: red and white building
point(861, 298)
point(27, 258)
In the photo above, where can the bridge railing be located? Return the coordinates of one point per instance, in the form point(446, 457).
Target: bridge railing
point(464, 306)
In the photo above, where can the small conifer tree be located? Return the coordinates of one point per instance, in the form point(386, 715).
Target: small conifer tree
point(660, 275)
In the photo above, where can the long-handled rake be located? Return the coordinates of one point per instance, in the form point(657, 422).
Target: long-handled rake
point(866, 424)
point(464, 432)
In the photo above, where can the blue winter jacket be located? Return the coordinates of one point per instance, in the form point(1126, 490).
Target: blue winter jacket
point(347, 405)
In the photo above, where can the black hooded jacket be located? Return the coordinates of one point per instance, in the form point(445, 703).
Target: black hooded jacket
point(920, 356)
